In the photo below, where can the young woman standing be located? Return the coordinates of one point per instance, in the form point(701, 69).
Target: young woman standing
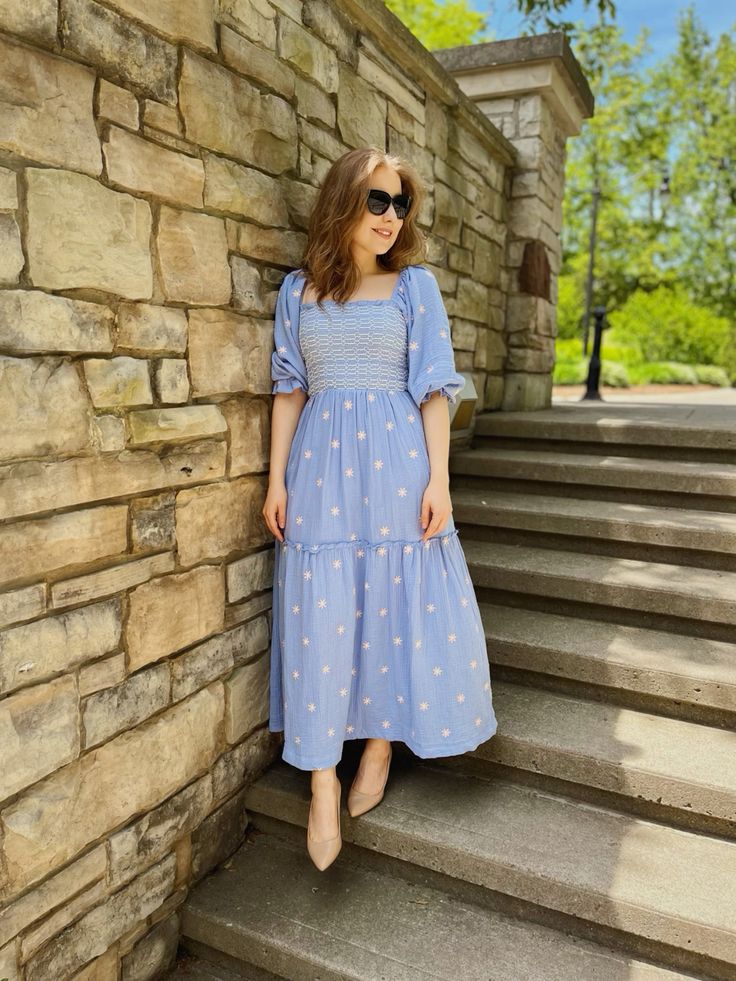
point(376, 628)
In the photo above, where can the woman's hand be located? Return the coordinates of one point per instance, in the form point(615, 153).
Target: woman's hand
point(435, 502)
point(274, 509)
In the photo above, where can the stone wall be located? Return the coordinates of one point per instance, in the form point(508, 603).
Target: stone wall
point(158, 164)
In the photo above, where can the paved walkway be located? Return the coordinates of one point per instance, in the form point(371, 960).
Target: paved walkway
point(653, 395)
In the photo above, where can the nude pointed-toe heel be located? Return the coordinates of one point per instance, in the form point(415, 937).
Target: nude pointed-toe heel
point(358, 802)
point(324, 853)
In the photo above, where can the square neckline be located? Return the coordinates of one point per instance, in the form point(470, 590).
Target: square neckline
point(378, 299)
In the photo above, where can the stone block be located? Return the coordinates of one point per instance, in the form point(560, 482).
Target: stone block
point(102, 674)
point(154, 953)
point(248, 294)
point(259, 64)
point(241, 612)
point(33, 549)
point(52, 822)
point(256, 19)
point(83, 589)
point(273, 245)
point(114, 382)
point(526, 392)
point(139, 165)
point(44, 408)
point(117, 45)
point(249, 423)
point(229, 353)
point(361, 111)
point(161, 117)
point(244, 192)
point(34, 652)
point(215, 520)
point(11, 251)
point(170, 613)
point(39, 732)
point(8, 188)
point(246, 699)
point(117, 105)
point(244, 763)
point(108, 433)
point(84, 235)
point(172, 381)
point(192, 22)
point(192, 250)
point(214, 102)
point(32, 322)
point(152, 523)
point(183, 423)
point(35, 21)
point(46, 111)
point(149, 329)
point(17, 605)
point(219, 836)
point(113, 710)
point(214, 658)
point(249, 575)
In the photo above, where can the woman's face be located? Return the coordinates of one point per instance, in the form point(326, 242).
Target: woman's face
point(375, 234)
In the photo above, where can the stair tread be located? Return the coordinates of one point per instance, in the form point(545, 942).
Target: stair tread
point(679, 763)
point(670, 885)
point(658, 586)
point(684, 426)
point(489, 503)
point(359, 923)
point(602, 462)
point(698, 670)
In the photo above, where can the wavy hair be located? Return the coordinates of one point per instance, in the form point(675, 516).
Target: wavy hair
point(328, 262)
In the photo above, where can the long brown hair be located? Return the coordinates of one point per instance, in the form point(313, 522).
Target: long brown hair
point(328, 262)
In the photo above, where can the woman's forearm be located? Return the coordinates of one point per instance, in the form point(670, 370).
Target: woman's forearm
point(287, 408)
point(436, 421)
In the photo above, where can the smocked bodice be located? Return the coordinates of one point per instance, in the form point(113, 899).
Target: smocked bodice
point(359, 344)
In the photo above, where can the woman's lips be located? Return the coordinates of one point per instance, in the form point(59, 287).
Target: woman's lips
point(384, 233)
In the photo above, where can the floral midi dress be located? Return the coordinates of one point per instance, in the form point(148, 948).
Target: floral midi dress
point(374, 633)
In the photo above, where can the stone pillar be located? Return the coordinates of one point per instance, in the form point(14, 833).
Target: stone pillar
point(534, 91)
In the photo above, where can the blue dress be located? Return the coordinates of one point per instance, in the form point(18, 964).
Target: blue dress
point(375, 633)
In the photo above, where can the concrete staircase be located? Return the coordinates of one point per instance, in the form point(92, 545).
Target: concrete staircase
point(593, 838)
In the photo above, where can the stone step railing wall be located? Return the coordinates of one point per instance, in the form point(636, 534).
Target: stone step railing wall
point(158, 163)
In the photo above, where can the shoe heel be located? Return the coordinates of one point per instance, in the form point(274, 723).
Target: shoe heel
point(324, 853)
point(358, 803)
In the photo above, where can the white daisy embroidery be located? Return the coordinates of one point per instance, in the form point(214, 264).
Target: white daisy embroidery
point(322, 603)
point(348, 404)
point(464, 600)
point(452, 638)
point(424, 706)
point(307, 574)
point(382, 551)
point(460, 697)
point(308, 454)
point(295, 608)
point(384, 668)
point(378, 464)
point(319, 481)
point(360, 553)
point(401, 492)
point(361, 434)
point(473, 664)
point(337, 563)
point(397, 641)
point(335, 444)
point(417, 644)
point(349, 728)
point(371, 397)
point(282, 349)
point(349, 472)
point(478, 721)
point(325, 669)
point(294, 675)
point(445, 733)
point(305, 641)
point(296, 292)
point(353, 671)
point(326, 414)
point(365, 500)
point(436, 671)
point(389, 425)
point(400, 699)
point(413, 346)
point(334, 510)
point(431, 607)
point(422, 308)
point(397, 580)
point(341, 629)
point(386, 724)
point(297, 739)
point(330, 731)
point(408, 549)
point(365, 645)
point(383, 612)
point(312, 707)
point(343, 692)
point(411, 417)
point(300, 519)
point(413, 454)
point(385, 529)
point(366, 700)
point(358, 614)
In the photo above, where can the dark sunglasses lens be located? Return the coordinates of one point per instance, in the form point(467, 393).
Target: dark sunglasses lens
point(380, 201)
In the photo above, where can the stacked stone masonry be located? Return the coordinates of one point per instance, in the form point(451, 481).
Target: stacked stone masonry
point(158, 164)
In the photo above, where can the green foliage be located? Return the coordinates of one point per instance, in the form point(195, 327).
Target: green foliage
point(709, 374)
point(442, 25)
point(663, 373)
point(570, 373)
point(667, 326)
point(614, 374)
point(570, 305)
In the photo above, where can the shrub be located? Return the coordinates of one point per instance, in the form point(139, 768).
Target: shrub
point(570, 373)
point(614, 374)
point(710, 374)
point(663, 373)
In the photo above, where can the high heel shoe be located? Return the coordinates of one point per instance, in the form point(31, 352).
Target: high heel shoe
point(358, 802)
point(324, 853)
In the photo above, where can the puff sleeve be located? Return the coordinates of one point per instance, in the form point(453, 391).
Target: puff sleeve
point(288, 370)
point(431, 359)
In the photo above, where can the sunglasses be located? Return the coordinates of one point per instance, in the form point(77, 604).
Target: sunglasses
point(380, 201)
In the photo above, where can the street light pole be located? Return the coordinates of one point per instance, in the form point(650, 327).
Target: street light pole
point(591, 266)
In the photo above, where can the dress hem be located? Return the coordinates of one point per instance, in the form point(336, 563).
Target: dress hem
point(422, 751)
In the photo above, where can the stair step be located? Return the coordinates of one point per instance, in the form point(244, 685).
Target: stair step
point(670, 527)
point(683, 765)
point(673, 887)
point(654, 587)
point(637, 473)
point(672, 426)
point(356, 923)
point(655, 663)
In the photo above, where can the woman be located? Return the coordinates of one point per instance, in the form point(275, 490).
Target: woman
point(376, 627)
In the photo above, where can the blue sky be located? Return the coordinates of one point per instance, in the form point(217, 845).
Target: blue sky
point(660, 16)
